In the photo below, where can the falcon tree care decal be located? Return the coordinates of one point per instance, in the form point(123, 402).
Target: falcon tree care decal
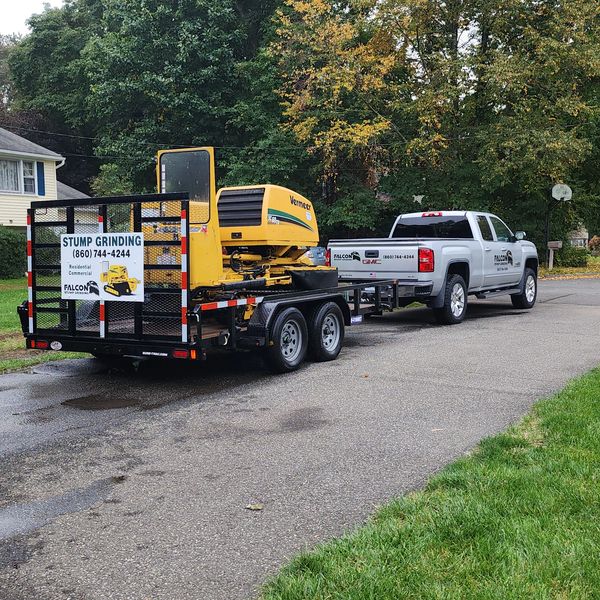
point(103, 266)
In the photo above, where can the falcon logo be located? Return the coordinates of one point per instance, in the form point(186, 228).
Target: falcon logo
point(349, 256)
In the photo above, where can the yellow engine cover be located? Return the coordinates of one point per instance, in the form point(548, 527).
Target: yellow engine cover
point(266, 215)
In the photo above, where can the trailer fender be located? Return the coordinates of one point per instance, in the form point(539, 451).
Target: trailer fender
point(262, 319)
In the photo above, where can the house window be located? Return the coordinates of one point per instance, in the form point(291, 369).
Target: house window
point(28, 177)
point(9, 176)
point(17, 176)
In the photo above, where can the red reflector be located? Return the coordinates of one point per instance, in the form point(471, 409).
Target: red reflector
point(41, 344)
point(180, 353)
point(426, 260)
point(328, 257)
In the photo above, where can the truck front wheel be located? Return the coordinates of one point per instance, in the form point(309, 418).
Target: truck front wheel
point(455, 302)
point(289, 341)
point(326, 332)
point(527, 298)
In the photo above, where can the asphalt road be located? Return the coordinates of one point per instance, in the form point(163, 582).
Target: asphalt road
point(133, 485)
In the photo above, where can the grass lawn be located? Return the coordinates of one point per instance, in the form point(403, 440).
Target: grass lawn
point(593, 267)
point(518, 518)
point(12, 344)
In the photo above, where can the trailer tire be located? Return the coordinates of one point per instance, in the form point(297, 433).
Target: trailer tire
point(289, 339)
point(455, 302)
point(325, 332)
point(526, 299)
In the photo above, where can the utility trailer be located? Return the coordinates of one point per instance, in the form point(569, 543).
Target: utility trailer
point(165, 318)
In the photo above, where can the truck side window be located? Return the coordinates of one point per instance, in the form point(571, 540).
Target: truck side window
point(484, 227)
point(503, 233)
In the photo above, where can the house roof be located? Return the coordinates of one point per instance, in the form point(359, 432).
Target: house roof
point(66, 192)
point(15, 144)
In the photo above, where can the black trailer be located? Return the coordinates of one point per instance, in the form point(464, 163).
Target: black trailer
point(171, 323)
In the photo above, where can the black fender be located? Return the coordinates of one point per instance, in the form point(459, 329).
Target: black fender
point(261, 321)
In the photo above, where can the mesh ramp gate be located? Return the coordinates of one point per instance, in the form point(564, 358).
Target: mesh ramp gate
point(162, 218)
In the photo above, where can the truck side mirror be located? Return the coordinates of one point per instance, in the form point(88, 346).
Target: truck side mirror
point(520, 235)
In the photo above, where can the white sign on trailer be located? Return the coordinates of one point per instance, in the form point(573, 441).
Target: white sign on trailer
point(102, 266)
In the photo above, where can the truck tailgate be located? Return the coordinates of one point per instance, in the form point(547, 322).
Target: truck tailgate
point(375, 258)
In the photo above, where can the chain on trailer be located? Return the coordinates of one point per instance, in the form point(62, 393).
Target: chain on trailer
point(162, 316)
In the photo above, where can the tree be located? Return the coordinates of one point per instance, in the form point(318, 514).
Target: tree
point(337, 73)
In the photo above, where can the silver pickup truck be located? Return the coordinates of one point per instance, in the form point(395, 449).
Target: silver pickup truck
point(446, 256)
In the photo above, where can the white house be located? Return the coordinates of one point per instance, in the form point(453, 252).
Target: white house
point(27, 173)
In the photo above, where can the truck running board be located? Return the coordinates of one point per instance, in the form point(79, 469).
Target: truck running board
point(485, 295)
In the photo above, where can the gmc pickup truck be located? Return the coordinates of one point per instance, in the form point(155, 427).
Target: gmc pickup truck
point(446, 256)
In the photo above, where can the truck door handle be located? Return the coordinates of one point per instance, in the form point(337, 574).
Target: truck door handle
point(487, 249)
point(503, 249)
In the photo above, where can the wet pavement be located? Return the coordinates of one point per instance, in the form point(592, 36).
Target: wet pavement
point(129, 483)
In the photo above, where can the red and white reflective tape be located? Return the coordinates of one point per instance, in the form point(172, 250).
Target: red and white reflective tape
point(184, 277)
point(29, 276)
point(230, 303)
point(101, 308)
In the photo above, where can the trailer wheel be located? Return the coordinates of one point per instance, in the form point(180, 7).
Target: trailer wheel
point(289, 338)
point(455, 302)
point(325, 332)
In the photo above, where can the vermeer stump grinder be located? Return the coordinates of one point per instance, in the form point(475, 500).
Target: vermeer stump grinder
point(241, 239)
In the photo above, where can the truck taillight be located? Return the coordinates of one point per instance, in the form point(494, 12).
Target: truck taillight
point(328, 257)
point(180, 353)
point(426, 260)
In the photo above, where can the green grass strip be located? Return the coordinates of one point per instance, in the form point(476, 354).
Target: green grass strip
point(8, 365)
point(519, 518)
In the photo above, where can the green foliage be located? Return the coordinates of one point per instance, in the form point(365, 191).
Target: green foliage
point(360, 105)
point(111, 181)
point(7, 45)
point(13, 252)
point(570, 256)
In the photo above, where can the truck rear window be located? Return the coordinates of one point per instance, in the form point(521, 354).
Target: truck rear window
point(433, 227)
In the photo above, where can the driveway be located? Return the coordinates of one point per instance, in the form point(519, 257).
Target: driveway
point(134, 485)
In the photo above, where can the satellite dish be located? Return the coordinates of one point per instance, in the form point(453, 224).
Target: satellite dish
point(562, 192)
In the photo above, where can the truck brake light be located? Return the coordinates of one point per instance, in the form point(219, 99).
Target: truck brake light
point(328, 257)
point(432, 214)
point(180, 353)
point(39, 344)
point(426, 260)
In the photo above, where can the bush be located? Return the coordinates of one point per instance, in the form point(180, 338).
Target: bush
point(13, 253)
point(571, 256)
point(594, 243)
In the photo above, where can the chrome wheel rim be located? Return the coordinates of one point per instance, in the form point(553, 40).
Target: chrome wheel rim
point(330, 332)
point(457, 300)
point(530, 288)
point(291, 341)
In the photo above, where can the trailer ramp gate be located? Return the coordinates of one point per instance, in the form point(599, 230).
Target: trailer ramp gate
point(160, 318)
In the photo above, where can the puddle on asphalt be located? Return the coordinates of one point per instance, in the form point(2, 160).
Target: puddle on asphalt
point(101, 402)
point(21, 519)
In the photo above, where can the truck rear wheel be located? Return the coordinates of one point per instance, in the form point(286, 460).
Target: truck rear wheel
point(325, 332)
point(455, 302)
point(289, 339)
point(527, 298)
